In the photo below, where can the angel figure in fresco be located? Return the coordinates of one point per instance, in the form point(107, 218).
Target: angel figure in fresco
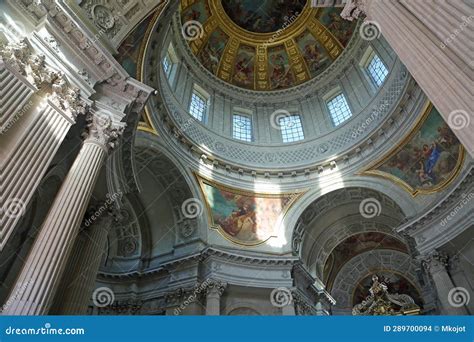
point(424, 178)
point(279, 72)
point(192, 15)
point(431, 154)
point(446, 136)
point(211, 58)
point(313, 56)
point(243, 70)
point(241, 223)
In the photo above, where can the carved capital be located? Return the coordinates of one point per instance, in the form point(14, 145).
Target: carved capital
point(354, 9)
point(102, 131)
point(215, 287)
point(436, 262)
point(65, 97)
point(16, 54)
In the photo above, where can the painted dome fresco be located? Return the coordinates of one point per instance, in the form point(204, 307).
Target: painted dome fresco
point(264, 45)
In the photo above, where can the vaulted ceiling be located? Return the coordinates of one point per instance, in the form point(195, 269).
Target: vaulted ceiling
point(264, 45)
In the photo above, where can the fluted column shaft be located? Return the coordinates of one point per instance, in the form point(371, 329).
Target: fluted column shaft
point(41, 273)
point(215, 290)
point(82, 268)
point(432, 39)
point(213, 302)
point(436, 264)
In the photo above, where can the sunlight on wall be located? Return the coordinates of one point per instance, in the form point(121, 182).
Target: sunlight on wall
point(280, 239)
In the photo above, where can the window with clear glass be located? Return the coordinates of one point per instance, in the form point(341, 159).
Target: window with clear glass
point(339, 109)
point(377, 70)
point(242, 127)
point(291, 128)
point(167, 64)
point(198, 106)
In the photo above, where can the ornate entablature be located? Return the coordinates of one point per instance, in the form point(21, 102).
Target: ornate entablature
point(448, 218)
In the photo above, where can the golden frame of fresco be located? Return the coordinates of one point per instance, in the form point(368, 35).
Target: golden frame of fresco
point(238, 36)
point(147, 125)
point(371, 170)
point(294, 196)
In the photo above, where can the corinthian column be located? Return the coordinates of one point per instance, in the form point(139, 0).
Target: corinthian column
point(436, 264)
point(34, 120)
point(38, 280)
point(432, 38)
point(83, 265)
point(214, 292)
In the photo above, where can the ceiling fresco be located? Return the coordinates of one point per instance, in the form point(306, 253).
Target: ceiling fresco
point(427, 161)
point(262, 16)
point(244, 218)
point(266, 45)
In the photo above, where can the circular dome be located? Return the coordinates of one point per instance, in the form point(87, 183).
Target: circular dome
point(262, 16)
point(266, 45)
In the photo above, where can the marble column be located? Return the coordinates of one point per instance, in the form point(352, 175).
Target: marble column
point(214, 291)
point(436, 264)
point(42, 271)
point(77, 285)
point(432, 39)
point(38, 107)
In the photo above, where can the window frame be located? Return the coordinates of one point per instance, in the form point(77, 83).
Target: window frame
point(287, 132)
point(331, 98)
point(203, 95)
point(173, 61)
point(363, 65)
point(250, 132)
point(372, 57)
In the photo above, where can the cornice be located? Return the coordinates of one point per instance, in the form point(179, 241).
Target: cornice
point(206, 254)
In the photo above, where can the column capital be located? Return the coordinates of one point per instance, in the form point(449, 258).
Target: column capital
point(102, 130)
point(215, 287)
point(354, 9)
point(435, 262)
